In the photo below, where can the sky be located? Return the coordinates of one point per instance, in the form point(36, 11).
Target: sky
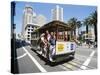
point(78, 11)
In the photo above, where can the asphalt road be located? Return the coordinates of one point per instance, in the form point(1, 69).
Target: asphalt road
point(28, 61)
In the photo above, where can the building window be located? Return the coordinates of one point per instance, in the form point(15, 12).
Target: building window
point(28, 35)
point(28, 38)
point(32, 26)
point(31, 29)
point(28, 32)
point(28, 29)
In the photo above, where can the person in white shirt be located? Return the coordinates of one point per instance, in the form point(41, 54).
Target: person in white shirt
point(52, 42)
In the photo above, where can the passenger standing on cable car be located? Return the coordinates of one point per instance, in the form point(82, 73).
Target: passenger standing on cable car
point(47, 36)
point(52, 42)
point(43, 43)
point(65, 38)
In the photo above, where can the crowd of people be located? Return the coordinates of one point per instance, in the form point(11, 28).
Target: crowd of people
point(91, 44)
point(47, 44)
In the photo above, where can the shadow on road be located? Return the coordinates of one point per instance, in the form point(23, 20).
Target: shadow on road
point(60, 62)
point(52, 64)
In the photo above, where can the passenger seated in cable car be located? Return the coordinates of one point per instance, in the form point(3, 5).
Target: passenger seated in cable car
point(65, 38)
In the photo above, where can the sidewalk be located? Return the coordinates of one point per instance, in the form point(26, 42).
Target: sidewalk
point(86, 47)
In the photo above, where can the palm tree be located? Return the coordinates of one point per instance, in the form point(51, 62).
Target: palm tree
point(72, 22)
point(86, 22)
point(79, 24)
point(93, 21)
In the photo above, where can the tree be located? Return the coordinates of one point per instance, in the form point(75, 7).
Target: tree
point(86, 22)
point(93, 21)
point(74, 23)
point(79, 24)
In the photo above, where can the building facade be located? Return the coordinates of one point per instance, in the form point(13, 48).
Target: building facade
point(57, 13)
point(28, 30)
point(28, 23)
point(91, 34)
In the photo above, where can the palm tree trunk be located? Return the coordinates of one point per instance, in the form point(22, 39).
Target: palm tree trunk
point(71, 34)
point(74, 33)
point(87, 34)
point(87, 30)
point(78, 33)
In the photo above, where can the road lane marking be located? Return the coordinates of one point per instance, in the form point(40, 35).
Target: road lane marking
point(22, 56)
point(85, 64)
point(91, 55)
point(35, 61)
point(72, 65)
point(64, 68)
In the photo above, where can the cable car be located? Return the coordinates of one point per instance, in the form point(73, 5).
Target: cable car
point(64, 44)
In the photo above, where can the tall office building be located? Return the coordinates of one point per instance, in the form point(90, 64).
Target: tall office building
point(57, 13)
point(28, 24)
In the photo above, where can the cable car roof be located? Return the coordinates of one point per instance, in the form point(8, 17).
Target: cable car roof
point(56, 24)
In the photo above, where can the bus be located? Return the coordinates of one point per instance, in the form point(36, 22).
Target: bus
point(65, 45)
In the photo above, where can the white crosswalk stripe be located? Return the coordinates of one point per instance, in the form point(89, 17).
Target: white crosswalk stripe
point(35, 61)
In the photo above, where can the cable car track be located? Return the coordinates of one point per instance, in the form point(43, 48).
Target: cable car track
point(82, 64)
point(73, 65)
